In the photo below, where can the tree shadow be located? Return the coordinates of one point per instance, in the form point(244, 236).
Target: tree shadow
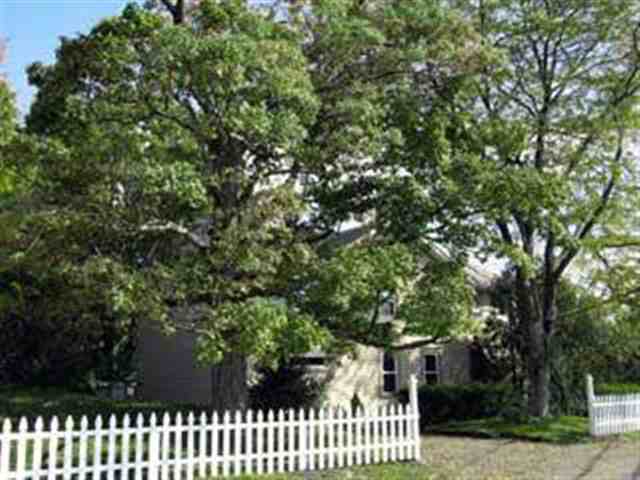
point(594, 461)
point(484, 455)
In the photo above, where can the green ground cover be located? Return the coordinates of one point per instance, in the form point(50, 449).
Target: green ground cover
point(554, 430)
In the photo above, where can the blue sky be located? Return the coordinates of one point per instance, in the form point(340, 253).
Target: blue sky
point(33, 29)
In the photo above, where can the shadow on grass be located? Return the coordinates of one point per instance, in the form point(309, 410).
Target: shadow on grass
point(557, 430)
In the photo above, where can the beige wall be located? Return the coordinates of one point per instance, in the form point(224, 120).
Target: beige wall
point(168, 368)
point(362, 373)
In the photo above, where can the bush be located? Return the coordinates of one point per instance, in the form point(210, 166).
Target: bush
point(445, 403)
point(285, 387)
point(617, 388)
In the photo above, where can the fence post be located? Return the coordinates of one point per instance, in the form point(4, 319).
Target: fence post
point(415, 411)
point(5, 445)
point(154, 449)
point(591, 398)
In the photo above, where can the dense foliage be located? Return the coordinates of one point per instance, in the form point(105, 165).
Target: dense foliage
point(445, 403)
point(190, 172)
point(287, 386)
point(540, 158)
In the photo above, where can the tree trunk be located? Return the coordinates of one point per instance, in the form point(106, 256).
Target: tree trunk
point(537, 370)
point(229, 383)
point(537, 313)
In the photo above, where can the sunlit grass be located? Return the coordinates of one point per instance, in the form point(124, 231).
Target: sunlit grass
point(557, 430)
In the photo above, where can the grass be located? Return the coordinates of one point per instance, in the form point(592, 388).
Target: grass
point(560, 430)
point(397, 471)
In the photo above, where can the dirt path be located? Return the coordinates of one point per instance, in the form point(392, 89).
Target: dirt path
point(480, 459)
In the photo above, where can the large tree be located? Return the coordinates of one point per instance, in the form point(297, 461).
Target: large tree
point(538, 157)
point(180, 167)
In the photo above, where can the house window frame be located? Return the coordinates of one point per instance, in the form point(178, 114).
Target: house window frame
point(389, 307)
point(437, 371)
point(385, 372)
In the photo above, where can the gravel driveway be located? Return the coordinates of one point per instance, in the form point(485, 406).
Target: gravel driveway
point(466, 458)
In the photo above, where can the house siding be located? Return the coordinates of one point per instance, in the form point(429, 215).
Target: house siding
point(361, 374)
point(168, 368)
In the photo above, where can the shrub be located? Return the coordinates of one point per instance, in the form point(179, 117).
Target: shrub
point(444, 403)
point(285, 387)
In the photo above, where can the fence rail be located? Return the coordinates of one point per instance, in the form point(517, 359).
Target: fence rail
point(612, 414)
point(163, 448)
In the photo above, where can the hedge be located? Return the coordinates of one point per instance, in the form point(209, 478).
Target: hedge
point(617, 388)
point(446, 403)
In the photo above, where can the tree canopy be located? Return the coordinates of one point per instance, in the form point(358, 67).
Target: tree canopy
point(539, 156)
point(190, 172)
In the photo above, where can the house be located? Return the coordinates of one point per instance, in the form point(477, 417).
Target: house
point(169, 371)
point(375, 375)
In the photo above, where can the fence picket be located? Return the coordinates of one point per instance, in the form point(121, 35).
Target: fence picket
point(291, 444)
point(111, 449)
point(37, 448)
point(311, 433)
point(53, 448)
point(226, 440)
point(191, 421)
point(259, 442)
point(177, 450)
point(281, 445)
point(302, 442)
point(139, 446)
point(202, 446)
point(68, 446)
point(165, 446)
point(274, 442)
point(249, 443)
point(82, 454)
point(97, 447)
point(270, 441)
point(21, 463)
point(125, 452)
point(5, 448)
point(236, 442)
point(215, 432)
point(154, 448)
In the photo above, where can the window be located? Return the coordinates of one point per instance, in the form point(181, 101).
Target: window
point(389, 373)
point(388, 307)
point(431, 369)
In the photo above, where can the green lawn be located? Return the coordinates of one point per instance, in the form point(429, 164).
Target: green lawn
point(555, 430)
point(398, 471)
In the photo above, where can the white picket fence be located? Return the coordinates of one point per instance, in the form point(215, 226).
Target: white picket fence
point(611, 414)
point(209, 445)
